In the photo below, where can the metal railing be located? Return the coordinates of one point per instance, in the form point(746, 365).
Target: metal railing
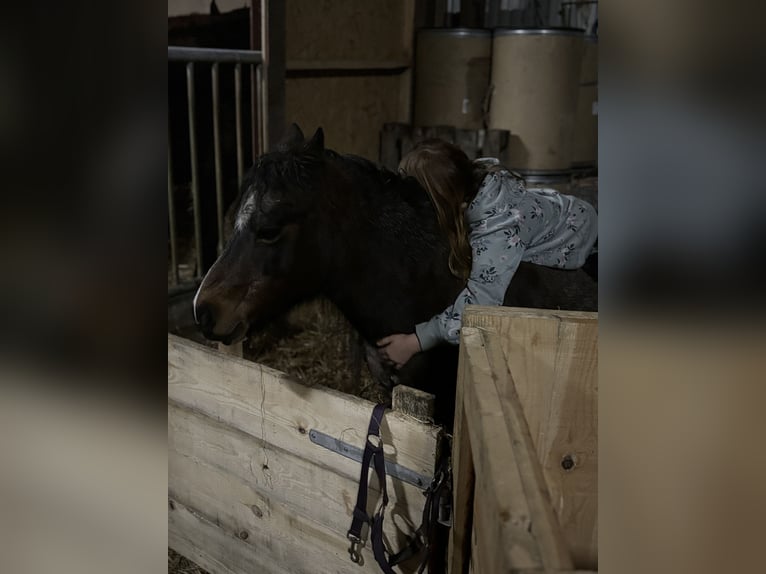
point(215, 57)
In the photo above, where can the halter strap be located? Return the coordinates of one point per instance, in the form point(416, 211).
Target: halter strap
point(374, 453)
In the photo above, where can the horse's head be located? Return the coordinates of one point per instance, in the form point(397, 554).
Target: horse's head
point(272, 259)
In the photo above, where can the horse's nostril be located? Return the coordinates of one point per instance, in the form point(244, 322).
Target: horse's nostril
point(203, 314)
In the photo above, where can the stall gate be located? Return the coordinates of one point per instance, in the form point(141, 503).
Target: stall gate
point(209, 59)
point(525, 455)
point(259, 477)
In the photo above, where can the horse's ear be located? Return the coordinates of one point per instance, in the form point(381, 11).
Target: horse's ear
point(316, 143)
point(293, 138)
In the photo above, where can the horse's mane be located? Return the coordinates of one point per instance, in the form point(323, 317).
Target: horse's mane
point(388, 181)
point(377, 183)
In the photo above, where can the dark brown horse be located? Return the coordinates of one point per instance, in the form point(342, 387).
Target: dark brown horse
point(313, 222)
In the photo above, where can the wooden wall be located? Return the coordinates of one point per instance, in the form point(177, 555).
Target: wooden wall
point(349, 69)
point(249, 492)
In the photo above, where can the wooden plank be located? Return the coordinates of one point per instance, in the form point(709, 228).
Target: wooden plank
point(481, 540)
point(463, 478)
point(360, 65)
point(503, 523)
point(349, 30)
point(240, 460)
point(265, 404)
point(504, 315)
point(294, 491)
point(554, 359)
point(474, 566)
point(273, 530)
point(545, 527)
point(216, 550)
point(446, 133)
point(351, 109)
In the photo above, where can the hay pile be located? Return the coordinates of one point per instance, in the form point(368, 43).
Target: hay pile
point(315, 345)
point(178, 564)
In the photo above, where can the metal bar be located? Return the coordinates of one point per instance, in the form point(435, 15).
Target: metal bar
point(217, 151)
point(194, 176)
point(355, 453)
point(172, 219)
point(273, 33)
point(238, 120)
point(259, 103)
point(178, 53)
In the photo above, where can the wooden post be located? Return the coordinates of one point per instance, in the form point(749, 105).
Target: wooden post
point(463, 479)
point(413, 402)
point(553, 551)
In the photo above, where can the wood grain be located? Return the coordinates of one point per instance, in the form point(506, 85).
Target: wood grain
point(463, 479)
point(545, 528)
point(553, 356)
point(502, 517)
point(250, 491)
point(349, 30)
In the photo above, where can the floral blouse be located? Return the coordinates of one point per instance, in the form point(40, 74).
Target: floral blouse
point(509, 224)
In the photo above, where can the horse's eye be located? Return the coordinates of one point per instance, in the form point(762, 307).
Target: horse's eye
point(268, 234)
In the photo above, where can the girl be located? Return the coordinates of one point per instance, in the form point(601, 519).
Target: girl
point(492, 223)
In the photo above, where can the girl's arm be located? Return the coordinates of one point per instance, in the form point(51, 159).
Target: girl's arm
point(494, 265)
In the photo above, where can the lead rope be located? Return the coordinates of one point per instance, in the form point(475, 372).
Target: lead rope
point(420, 540)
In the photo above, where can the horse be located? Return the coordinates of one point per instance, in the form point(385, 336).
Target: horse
point(313, 222)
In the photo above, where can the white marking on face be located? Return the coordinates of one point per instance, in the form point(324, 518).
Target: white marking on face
point(194, 303)
point(245, 212)
point(199, 290)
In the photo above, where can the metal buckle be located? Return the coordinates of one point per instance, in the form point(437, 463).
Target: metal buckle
point(355, 549)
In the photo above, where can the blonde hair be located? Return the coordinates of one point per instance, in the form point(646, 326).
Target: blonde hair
point(451, 180)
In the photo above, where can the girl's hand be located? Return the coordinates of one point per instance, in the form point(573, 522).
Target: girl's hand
point(398, 349)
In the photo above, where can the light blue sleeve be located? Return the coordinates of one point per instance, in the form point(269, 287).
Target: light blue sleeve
point(496, 257)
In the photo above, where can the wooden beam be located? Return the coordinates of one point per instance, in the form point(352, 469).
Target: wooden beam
point(545, 527)
point(463, 478)
point(361, 65)
point(297, 507)
point(502, 520)
point(267, 405)
point(210, 546)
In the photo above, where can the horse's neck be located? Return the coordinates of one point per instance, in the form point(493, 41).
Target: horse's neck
point(384, 269)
